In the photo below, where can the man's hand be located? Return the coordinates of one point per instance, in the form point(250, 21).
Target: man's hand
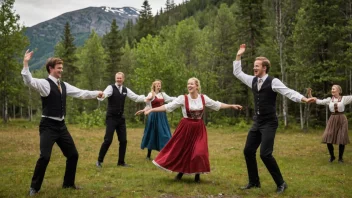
point(238, 107)
point(241, 50)
point(27, 56)
point(100, 94)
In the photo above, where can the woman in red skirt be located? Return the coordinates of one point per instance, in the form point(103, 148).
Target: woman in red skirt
point(187, 150)
point(336, 131)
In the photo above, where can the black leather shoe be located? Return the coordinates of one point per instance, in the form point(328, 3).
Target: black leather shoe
point(251, 185)
point(99, 164)
point(332, 159)
point(281, 188)
point(32, 192)
point(178, 176)
point(340, 160)
point(123, 164)
point(72, 187)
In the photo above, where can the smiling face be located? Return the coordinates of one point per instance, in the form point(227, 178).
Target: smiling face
point(335, 91)
point(193, 85)
point(56, 71)
point(157, 86)
point(119, 78)
point(258, 69)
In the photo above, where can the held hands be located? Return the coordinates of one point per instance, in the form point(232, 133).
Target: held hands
point(27, 56)
point(101, 94)
point(241, 50)
point(309, 100)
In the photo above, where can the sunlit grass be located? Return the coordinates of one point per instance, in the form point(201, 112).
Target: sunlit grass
point(302, 158)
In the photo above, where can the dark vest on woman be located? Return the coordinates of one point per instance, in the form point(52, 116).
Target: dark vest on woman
point(265, 98)
point(54, 105)
point(116, 102)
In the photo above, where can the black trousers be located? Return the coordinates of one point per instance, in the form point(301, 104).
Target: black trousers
point(112, 124)
point(262, 134)
point(52, 131)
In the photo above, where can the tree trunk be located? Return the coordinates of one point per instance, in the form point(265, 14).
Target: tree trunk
point(14, 111)
point(6, 115)
point(21, 112)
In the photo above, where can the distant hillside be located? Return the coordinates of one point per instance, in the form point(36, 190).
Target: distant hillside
point(44, 36)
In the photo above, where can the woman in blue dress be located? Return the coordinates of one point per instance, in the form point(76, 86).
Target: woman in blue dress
point(157, 130)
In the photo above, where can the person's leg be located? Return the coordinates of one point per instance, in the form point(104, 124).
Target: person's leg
point(179, 176)
point(197, 178)
point(341, 151)
point(331, 152)
point(149, 154)
point(252, 143)
point(68, 148)
point(122, 137)
point(109, 135)
point(47, 139)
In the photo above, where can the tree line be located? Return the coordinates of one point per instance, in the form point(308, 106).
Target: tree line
point(308, 43)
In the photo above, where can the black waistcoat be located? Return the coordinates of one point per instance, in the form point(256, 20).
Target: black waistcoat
point(116, 102)
point(54, 104)
point(265, 98)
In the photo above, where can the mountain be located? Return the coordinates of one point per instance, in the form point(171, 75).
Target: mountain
point(44, 36)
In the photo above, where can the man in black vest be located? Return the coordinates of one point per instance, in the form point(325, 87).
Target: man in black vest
point(115, 120)
point(263, 131)
point(52, 128)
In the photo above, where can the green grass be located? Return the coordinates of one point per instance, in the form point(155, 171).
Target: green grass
point(302, 158)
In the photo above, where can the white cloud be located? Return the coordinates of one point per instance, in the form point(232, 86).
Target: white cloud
point(35, 11)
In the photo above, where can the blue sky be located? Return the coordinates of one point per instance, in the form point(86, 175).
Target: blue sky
point(33, 12)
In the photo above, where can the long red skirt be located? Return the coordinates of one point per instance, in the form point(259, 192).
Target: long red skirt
point(187, 150)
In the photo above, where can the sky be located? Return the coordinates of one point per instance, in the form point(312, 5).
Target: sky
point(33, 12)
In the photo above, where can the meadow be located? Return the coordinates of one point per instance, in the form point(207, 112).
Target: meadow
point(302, 158)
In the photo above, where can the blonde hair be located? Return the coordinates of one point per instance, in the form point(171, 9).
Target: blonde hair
point(197, 82)
point(120, 73)
point(152, 88)
point(338, 87)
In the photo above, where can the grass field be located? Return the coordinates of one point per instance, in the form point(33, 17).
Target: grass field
point(302, 158)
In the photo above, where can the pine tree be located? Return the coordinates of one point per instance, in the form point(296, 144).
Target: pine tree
point(66, 50)
point(13, 42)
point(145, 21)
point(113, 43)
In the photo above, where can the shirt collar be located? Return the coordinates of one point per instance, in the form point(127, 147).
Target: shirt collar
point(53, 78)
point(264, 77)
point(117, 85)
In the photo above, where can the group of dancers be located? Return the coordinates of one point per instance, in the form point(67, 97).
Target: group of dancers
point(186, 151)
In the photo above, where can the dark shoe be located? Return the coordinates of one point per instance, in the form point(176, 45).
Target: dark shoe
point(99, 164)
point(32, 192)
point(332, 159)
point(179, 176)
point(281, 188)
point(197, 178)
point(123, 164)
point(340, 160)
point(251, 185)
point(72, 187)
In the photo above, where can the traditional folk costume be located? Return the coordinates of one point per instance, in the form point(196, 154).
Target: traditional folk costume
point(157, 130)
point(187, 150)
point(336, 131)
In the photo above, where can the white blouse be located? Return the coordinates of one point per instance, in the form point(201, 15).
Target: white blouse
point(331, 101)
point(160, 95)
point(194, 104)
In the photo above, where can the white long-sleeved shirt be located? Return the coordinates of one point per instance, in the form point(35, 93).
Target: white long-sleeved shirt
point(130, 94)
point(345, 100)
point(276, 84)
point(163, 95)
point(43, 87)
point(194, 104)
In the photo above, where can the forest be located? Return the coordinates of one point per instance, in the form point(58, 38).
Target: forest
point(309, 45)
